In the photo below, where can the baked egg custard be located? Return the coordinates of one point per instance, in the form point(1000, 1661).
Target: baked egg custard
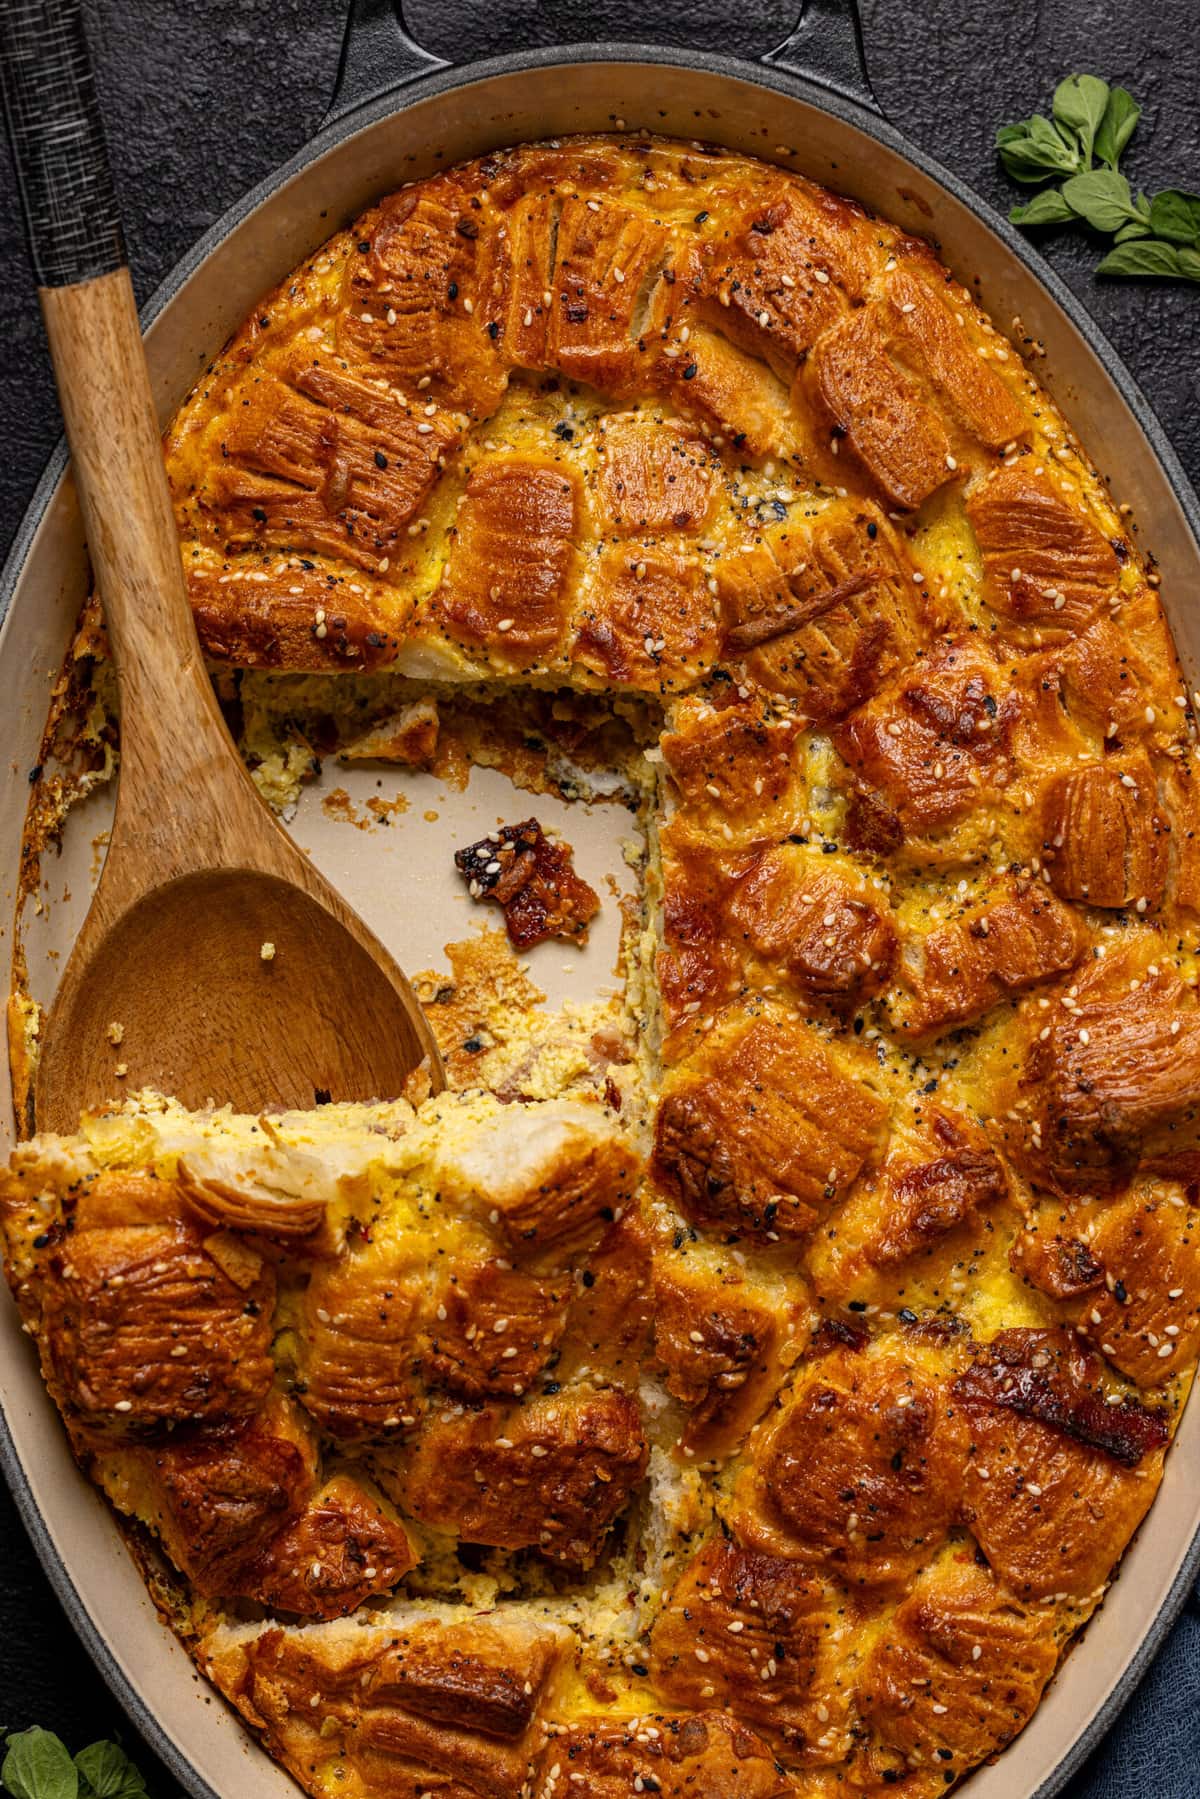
point(746, 1388)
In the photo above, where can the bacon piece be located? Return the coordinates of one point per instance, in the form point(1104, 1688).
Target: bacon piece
point(139, 1324)
point(648, 621)
point(655, 475)
point(822, 930)
point(1106, 840)
point(1045, 564)
point(419, 299)
point(937, 1197)
point(708, 1755)
point(765, 1631)
point(760, 1125)
point(718, 1340)
point(1112, 1084)
point(493, 1332)
point(506, 584)
point(959, 1670)
point(550, 1474)
point(606, 257)
point(824, 622)
point(959, 971)
point(860, 1471)
point(936, 741)
point(533, 881)
point(871, 826)
point(1040, 1375)
point(316, 460)
point(1059, 1479)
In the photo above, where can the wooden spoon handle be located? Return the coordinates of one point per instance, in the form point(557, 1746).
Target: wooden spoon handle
point(171, 725)
point(173, 739)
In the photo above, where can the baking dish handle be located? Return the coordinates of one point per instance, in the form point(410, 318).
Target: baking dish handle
point(827, 47)
point(379, 53)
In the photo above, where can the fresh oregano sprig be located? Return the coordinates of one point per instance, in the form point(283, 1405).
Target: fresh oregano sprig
point(38, 1765)
point(1079, 149)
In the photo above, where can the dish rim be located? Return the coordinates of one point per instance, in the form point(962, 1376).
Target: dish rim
point(338, 127)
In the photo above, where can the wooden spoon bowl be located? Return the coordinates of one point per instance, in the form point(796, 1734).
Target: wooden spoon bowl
point(226, 985)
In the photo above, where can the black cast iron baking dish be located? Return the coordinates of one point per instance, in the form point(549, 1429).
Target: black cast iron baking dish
point(398, 113)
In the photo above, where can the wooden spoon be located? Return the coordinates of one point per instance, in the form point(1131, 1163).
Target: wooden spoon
point(215, 962)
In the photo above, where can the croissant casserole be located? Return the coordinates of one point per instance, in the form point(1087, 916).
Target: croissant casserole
point(752, 1397)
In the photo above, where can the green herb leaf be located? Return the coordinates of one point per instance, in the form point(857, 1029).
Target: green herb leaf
point(1176, 216)
point(1035, 149)
point(1116, 128)
point(1143, 256)
point(1138, 227)
point(1080, 103)
point(37, 1766)
point(1102, 197)
point(1046, 208)
point(109, 1773)
point(1189, 263)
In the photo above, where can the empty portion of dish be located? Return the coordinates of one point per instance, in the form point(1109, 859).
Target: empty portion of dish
point(748, 1389)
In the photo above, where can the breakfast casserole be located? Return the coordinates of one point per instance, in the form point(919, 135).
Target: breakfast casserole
point(749, 1388)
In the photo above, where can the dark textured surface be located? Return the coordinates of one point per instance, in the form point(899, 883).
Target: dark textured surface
point(203, 97)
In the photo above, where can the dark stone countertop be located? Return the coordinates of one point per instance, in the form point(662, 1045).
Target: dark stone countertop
point(204, 97)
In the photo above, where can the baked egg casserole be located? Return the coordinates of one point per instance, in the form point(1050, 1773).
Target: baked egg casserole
point(746, 1389)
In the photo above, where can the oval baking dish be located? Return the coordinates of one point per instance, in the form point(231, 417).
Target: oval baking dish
point(397, 115)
